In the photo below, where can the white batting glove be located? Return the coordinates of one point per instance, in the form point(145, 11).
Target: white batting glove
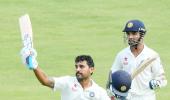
point(28, 56)
point(154, 84)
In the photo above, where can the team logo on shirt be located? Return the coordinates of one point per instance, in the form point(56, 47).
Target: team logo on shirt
point(74, 87)
point(91, 94)
point(125, 61)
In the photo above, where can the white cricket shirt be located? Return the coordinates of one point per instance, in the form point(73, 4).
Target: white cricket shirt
point(127, 61)
point(72, 90)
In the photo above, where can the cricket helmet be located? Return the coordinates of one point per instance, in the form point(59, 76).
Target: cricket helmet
point(120, 83)
point(135, 26)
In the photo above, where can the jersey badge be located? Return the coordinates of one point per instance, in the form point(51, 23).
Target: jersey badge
point(125, 61)
point(92, 94)
point(74, 87)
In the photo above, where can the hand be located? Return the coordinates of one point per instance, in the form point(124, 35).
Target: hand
point(118, 97)
point(154, 84)
point(28, 56)
point(109, 93)
point(114, 96)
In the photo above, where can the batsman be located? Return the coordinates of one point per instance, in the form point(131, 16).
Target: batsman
point(144, 84)
point(78, 87)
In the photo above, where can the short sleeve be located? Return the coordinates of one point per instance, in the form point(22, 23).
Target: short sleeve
point(116, 64)
point(60, 82)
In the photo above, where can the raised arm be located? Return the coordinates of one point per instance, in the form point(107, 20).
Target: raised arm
point(43, 78)
point(29, 59)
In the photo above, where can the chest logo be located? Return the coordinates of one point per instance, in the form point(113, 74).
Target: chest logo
point(125, 61)
point(92, 94)
point(74, 87)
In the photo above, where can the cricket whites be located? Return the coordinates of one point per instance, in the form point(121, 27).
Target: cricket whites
point(142, 66)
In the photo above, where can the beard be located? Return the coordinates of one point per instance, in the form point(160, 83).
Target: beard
point(80, 77)
point(133, 42)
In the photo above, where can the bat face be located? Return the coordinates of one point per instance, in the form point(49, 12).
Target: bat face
point(26, 31)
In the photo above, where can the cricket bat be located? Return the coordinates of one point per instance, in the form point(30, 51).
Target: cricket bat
point(142, 66)
point(26, 31)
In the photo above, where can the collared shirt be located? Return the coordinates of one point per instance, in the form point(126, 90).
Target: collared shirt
point(72, 90)
point(127, 61)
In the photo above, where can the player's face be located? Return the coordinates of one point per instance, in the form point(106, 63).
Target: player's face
point(83, 71)
point(133, 38)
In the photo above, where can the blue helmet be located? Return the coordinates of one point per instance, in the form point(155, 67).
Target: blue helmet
point(135, 26)
point(121, 82)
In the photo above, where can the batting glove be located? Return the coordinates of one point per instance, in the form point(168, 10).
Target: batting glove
point(154, 84)
point(28, 56)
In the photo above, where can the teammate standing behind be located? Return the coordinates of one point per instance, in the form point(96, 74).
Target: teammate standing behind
point(128, 59)
point(81, 87)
